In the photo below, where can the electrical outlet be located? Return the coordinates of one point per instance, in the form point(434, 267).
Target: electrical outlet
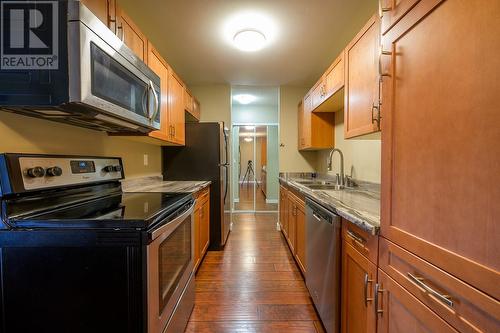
point(146, 159)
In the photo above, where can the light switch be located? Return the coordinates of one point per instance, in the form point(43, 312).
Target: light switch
point(146, 159)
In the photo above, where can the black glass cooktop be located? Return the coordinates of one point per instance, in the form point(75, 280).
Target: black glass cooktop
point(125, 210)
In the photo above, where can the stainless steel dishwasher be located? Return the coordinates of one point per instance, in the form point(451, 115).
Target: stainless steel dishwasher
point(323, 263)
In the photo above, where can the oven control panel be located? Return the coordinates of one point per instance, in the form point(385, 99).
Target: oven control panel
point(38, 172)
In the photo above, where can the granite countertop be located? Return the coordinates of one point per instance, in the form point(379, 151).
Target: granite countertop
point(157, 184)
point(359, 205)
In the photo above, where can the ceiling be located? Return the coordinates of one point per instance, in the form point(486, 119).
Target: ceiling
point(309, 35)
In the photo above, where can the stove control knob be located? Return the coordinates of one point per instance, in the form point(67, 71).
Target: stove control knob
point(54, 171)
point(112, 168)
point(36, 172)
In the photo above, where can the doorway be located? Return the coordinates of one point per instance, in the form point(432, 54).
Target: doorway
point(255, 151)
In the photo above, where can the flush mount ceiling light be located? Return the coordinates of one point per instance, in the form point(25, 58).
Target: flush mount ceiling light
point(248, 139)
point(249, 31)
point(249, 128)
point(249, 40)
point(244, 98)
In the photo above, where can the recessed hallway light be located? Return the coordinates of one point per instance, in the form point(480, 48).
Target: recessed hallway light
point(244, 98)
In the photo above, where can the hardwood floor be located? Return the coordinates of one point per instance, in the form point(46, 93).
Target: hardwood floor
point(246, 199)
point(253, 285)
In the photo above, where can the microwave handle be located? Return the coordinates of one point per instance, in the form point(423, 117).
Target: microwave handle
point(156, 101)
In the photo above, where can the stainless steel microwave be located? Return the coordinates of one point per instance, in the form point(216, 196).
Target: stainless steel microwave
point(99, 83)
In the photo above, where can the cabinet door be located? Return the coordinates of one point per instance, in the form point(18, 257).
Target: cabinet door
point(392, 11)
point(130, 34)
point(440, 157)
point(176, 109)
point(205, 227)
point(362, 81)
point(188, 101)
point(359, 276)
point(305, 134)
point(157, 65)
point(197, 232)
point(318, 93)
point(283, 211)
point(300, 247)
point(334, 76)
point(292, 222)
point(196, 109)
point(398, 311)
point(104, 10)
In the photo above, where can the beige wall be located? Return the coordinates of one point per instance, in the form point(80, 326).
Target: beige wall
point(20, 134)
point(290, 159)
point(363, 154)
point(215, 101)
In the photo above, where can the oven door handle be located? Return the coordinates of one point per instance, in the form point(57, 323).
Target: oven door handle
point(173, 224)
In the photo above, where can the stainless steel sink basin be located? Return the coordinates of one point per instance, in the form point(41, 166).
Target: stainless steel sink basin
point(323, 187)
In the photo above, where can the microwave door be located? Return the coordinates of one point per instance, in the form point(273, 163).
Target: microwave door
point(105, 78)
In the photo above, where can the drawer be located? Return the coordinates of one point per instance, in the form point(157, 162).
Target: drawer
point(361, 240)
point(461, 305)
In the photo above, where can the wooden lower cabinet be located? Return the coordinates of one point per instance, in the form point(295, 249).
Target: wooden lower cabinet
point(399, 311)
point(292, 219)
point(359, 276)
point(201, 226)
point(300, 236)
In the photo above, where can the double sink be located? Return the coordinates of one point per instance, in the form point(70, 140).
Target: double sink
point(320, 185)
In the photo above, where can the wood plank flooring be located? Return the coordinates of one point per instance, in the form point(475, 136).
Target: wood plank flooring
point(253, 285)
point(246, 199)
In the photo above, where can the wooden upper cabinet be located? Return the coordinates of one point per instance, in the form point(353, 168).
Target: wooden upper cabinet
point(176, 109)
point(359, 276)
point(361, 97)
point(188, 101)
point(130, 34)
point(196, 109)
point(334, 76)
point(158, 65)
point(440, 155)
point(318, 93)
point(399, 311)
point(315, 130)
point(105, 10)
point(392, 11)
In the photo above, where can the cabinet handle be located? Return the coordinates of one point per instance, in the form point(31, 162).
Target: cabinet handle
point(122, 35)
point(378, 117)
point(358, 239)
point(382, 10)
point(419, 281)
point(378, 290)
point(367, 280)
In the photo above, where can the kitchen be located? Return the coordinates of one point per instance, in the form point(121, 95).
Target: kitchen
point(118, 173)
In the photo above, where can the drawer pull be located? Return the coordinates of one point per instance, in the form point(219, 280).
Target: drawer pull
point(358, 239)
point(446, 299)
point(367, 280)
point(378, 290)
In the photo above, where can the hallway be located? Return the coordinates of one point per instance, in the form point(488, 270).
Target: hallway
point(253, 285)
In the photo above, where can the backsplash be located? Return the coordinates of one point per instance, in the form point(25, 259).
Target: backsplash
point(19, 134)
point(362, 156)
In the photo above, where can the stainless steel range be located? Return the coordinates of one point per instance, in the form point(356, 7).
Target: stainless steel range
point(78, 255)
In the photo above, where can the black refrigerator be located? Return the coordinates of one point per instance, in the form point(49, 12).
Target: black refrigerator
point(205, 157)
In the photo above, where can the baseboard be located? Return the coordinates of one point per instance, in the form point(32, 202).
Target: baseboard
point(272, 201)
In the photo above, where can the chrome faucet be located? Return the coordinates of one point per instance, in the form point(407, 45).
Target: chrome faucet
point(342, 178)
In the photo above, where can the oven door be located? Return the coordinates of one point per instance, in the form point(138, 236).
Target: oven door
point(170, 265)
point(107, 76)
